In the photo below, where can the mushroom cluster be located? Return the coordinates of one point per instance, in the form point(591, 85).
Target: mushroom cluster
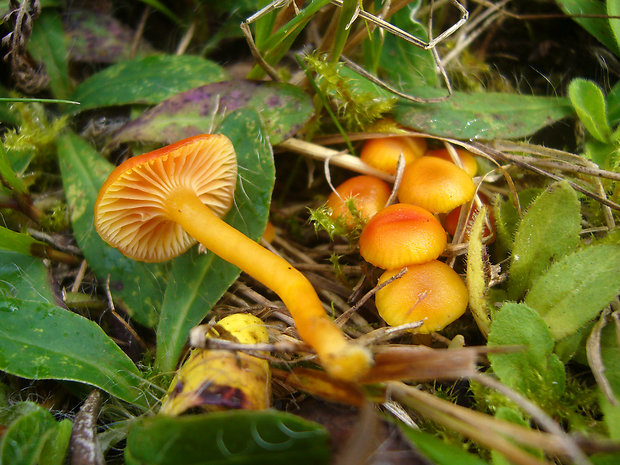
point(409, 234)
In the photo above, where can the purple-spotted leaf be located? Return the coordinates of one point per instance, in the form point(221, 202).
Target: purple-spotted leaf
point(282, 108)
point(96, 37)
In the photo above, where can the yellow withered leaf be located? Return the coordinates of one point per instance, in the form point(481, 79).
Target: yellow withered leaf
point(222, 379)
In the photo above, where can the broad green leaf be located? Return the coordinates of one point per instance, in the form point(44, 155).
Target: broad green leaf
point(147, 80)
point(486, 115)
point(605, 155)
point(47, 44)
point(405, 65)
point(42, 341)
point(234, 437)
point(589, 103)
point(611, 414)
point(613, 9)
point(97, 37)
point(25, 437)
point(549, 229)
point(596, 26)
point(55, 448)
point(18, 242)
point(283, 109)
point(24, 277)
point(8, 174)
point(477, 272)
point(137, 286)
point(438, 451)
point(536, 371)
point(576, 288)
point(197, 282)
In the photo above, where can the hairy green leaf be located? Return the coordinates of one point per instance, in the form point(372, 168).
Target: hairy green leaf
point(536, 371)
point(549, 229)
point(238, 436)
point(25, 438)
point(137, 286)
point(589, 103)
point(477, 274)
point(42, 341)
point(486, 115)
point(576, 288)
point(55, 449)
point(147, 80)
point(197, 282)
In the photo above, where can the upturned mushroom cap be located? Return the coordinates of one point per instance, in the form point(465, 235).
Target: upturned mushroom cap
point(430, 291)
point(435, 184)
point(467, 159)
point(401, 235)
point(383, 153)
point(131, 209)
point(368, 193)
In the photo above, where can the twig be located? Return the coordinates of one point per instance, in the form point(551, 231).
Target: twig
point(593, 352)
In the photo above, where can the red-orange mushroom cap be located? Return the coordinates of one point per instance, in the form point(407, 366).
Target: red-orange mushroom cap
point(369, 194)
point(432, 292)
point(154, 206)
point(400, 235)
point(131, 211)
point(436, 184)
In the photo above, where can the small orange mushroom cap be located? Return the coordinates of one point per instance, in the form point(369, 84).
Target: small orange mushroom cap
point(400, 235)
point(431, 291)
point(467, 159)
point(368, 193)
point(435, 184)
point(131, 209)
point(383, 153)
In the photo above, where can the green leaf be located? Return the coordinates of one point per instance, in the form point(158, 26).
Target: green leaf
point(438, 451)
point(25, 438)
point(576, 288)
point(589, 103)
point(507, 218)
point(598, 27)
point(486, 115)
point(283, 109)
point(42, 341)
point(55, 449)
point(536, 372)
point(605, 155)
point(613, 9)
point(147, 80)
point(137, 286)
point(47, 44)
point(197, 282)
point(8, 175)
point(17, 242)
point(406, 66)
point(477, 267)
point(24, 277)
point(234, 437)
point(549, 229)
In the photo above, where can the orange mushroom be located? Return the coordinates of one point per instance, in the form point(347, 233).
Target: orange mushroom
point(467, 159)
point(435, 184)
point(383, 153)
point(400, 235)
point(369, 194)
point(155, 206)
point(432, 292)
